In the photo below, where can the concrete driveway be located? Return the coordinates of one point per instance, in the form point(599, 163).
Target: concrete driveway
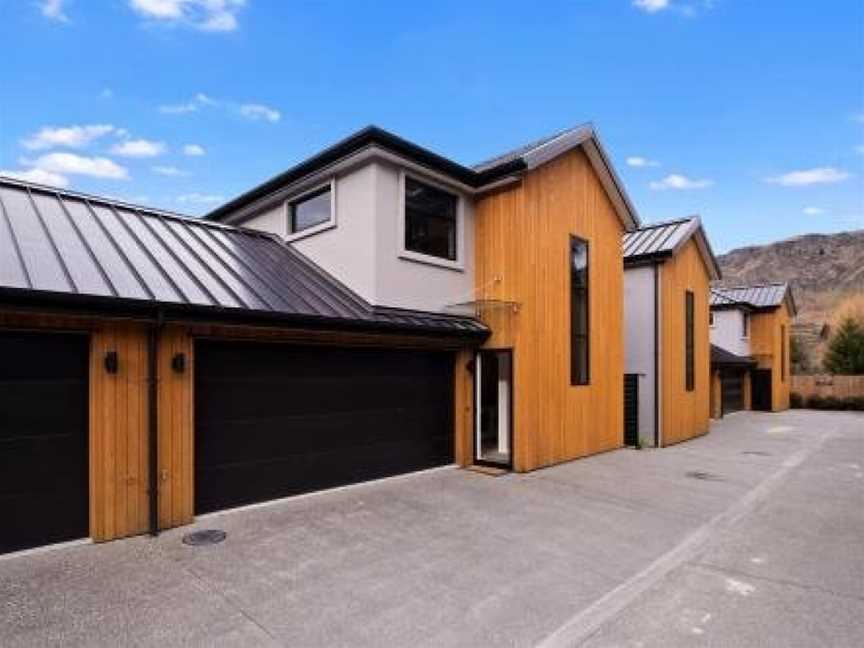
point(750, 536)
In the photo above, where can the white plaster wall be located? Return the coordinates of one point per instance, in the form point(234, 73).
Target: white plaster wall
point(407, 283)
point(639, 354)
point(726, 332)
point(363, 249)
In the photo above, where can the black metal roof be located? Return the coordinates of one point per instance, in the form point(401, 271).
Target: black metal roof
point(720, 356)
point(663, 239)
point(60, 245)
point(767, 295)
point(480, 175)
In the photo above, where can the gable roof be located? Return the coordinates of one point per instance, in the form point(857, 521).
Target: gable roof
point(476, 178)
point(760, 296)
point(656, 241)
point(61, 246)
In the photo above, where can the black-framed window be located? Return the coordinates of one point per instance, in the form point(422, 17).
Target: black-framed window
point(782, 353)
point(745, 325)
point(580, 342)
point(689, 339)
point(710, 318)
point(310, 210)
point(430, 220)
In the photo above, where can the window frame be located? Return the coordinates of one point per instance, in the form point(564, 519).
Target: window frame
point(576, 380)
point(783, 353)
point(308, 194)
point(689, 340)
point(457, 264)
point(745, 325)
point(711, 322)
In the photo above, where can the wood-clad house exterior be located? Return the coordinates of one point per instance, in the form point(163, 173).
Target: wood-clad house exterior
point(765, 313)
point(669, 267)
point(161, 320)
point(523, 246)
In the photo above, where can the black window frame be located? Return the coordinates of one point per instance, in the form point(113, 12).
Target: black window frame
point(783, 353)
point(580, 375)
point(689, 340)
point(411, 212)
point(745, 324)
point(304, 198)
point(710, 317)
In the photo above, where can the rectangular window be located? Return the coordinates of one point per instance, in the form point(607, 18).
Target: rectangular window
point(689, 361)
point(579, 324)
point(745, 324)
point(783, 353)
point(430, 220)
point(710, 318)
point(310, 210)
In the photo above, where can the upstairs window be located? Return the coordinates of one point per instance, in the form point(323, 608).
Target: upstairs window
point(745, 325)
point(430, 220)
point(579, 322)
point(310, 210)
point(689, 337)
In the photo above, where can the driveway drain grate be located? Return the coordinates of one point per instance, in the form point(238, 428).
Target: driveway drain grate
point(205, 537)
point(705, 476)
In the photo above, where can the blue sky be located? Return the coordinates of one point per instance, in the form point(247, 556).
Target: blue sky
point(749, 113)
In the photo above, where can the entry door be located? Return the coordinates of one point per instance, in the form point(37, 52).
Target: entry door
point(493, 425)
point(732, 392)
point(761, 385)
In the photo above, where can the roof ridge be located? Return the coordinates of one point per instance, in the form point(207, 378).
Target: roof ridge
point(530, 146)
point(664, 223)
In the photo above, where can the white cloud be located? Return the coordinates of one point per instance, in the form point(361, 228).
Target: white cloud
point(204, 15)
point(39, 176)
point(53, 10)
point(70, 136)
point(679, 182)
point(651, 6)
point(259, 111)
point(813, 211)
point(199, 199)
point(194, 104)
point(107, 93)
point(639, 162)
point(819, 175)
point(170, 171)
point(193, 150)
point(139, 148)
point(96, 167)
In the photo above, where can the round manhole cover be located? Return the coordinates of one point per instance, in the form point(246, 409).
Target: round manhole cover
point(705, 476)
point(204, 537)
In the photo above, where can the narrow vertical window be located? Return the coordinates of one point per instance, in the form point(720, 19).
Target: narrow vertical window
point(689, 364)
point(745, 324)
point(579, 326)
point(782, 353)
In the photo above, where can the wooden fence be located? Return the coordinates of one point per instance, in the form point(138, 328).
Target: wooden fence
point(826, 385)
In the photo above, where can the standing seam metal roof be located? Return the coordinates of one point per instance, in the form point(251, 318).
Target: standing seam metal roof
point(757, 295)
point(656, 238)
point(60, 243)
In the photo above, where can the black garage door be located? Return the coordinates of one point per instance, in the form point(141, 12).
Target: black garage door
point(43, 439)
point(273, 420)
point(732, 391)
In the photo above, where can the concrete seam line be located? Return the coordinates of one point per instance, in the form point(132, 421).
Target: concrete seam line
point(590, 619)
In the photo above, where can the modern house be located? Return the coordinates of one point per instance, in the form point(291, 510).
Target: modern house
point(668, 270)
point(750, 328)
point(374, 310)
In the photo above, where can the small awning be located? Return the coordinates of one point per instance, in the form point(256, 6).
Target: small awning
point(720, 357)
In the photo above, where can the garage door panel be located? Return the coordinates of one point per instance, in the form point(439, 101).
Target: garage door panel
point(44, 433)
point(240, 484)
point(312, 433)
point(275, 420)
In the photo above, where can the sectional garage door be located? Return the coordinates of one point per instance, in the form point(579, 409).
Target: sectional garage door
point(43, 439)
point(273, 420)
point(732, 391)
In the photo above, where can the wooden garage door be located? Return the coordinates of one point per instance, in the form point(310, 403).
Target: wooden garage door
point(273, 420)
point(43, 439)
point(732, 391)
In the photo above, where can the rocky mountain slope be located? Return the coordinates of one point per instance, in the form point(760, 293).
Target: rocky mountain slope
point(824, 270)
